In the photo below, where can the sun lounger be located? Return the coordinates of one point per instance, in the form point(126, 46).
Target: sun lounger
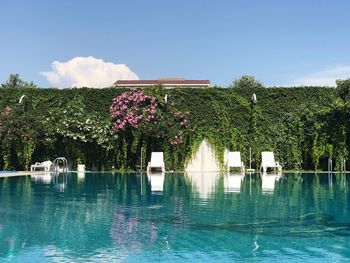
point(268, 161)
point(157, 162)
point(234, 161)
point(45, 165)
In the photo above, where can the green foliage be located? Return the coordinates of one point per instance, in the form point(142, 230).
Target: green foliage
point(303, 126)
point(246, 81)
point(14, 81)
point(19, 135)
point(343, 89)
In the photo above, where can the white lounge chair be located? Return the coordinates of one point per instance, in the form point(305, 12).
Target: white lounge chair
point(46, 165)
point(268, 161)
point(234, 160)
point(157, 161)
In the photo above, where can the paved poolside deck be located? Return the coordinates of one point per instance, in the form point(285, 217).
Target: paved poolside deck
point(20, 173)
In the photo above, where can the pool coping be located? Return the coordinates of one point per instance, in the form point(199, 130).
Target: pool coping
point(21, 173)
point(26, 173)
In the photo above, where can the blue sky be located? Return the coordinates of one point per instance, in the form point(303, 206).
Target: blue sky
point(290, 42)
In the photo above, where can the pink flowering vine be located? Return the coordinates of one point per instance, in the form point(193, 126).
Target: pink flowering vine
point(178, 139)
point(131, 107)
point(3, 115)
point(7, 110)
point(181, 119)
point(134, 109)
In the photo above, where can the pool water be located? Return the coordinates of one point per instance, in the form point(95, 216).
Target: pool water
point(209, 217)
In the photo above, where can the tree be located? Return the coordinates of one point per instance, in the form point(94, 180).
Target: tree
point(343, 89)
point(246, 81)
point(14, 81)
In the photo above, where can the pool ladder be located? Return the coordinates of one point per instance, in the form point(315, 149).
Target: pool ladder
point(140, 167)
point(330, 165)
point(64, 163)
point(342, 166)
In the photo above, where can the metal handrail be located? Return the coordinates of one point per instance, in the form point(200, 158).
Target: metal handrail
point(56, 164)
point(330, 165)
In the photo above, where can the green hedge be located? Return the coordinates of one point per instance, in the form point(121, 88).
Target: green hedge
point(296, 123)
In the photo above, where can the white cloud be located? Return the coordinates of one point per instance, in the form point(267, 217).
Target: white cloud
point(322, 78)
point(87, 72)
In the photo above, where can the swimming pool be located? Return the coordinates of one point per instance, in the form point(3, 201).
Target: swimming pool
point(195, 217)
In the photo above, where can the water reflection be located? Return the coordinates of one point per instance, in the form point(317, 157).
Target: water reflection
point(111, 213)
point(204, 182)
point(45, 178)
point(60, 181)
point(156, 181)
point(232, 182)
point(81, 176)
point(343, 182)
point(269, 181)
point(330, 180)
point(128, 231)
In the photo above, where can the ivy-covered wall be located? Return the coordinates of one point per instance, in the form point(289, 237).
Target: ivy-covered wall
point(303, 126)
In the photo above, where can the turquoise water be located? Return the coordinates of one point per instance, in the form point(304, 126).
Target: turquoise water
point(178, 218)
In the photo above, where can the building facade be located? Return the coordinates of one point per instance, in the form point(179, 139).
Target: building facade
point(168, 83)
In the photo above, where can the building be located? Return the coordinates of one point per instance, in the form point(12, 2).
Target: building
point(168, 83)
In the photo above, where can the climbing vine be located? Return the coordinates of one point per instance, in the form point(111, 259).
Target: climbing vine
point(109, 128)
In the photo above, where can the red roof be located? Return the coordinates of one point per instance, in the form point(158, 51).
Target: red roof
point(163, 82)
